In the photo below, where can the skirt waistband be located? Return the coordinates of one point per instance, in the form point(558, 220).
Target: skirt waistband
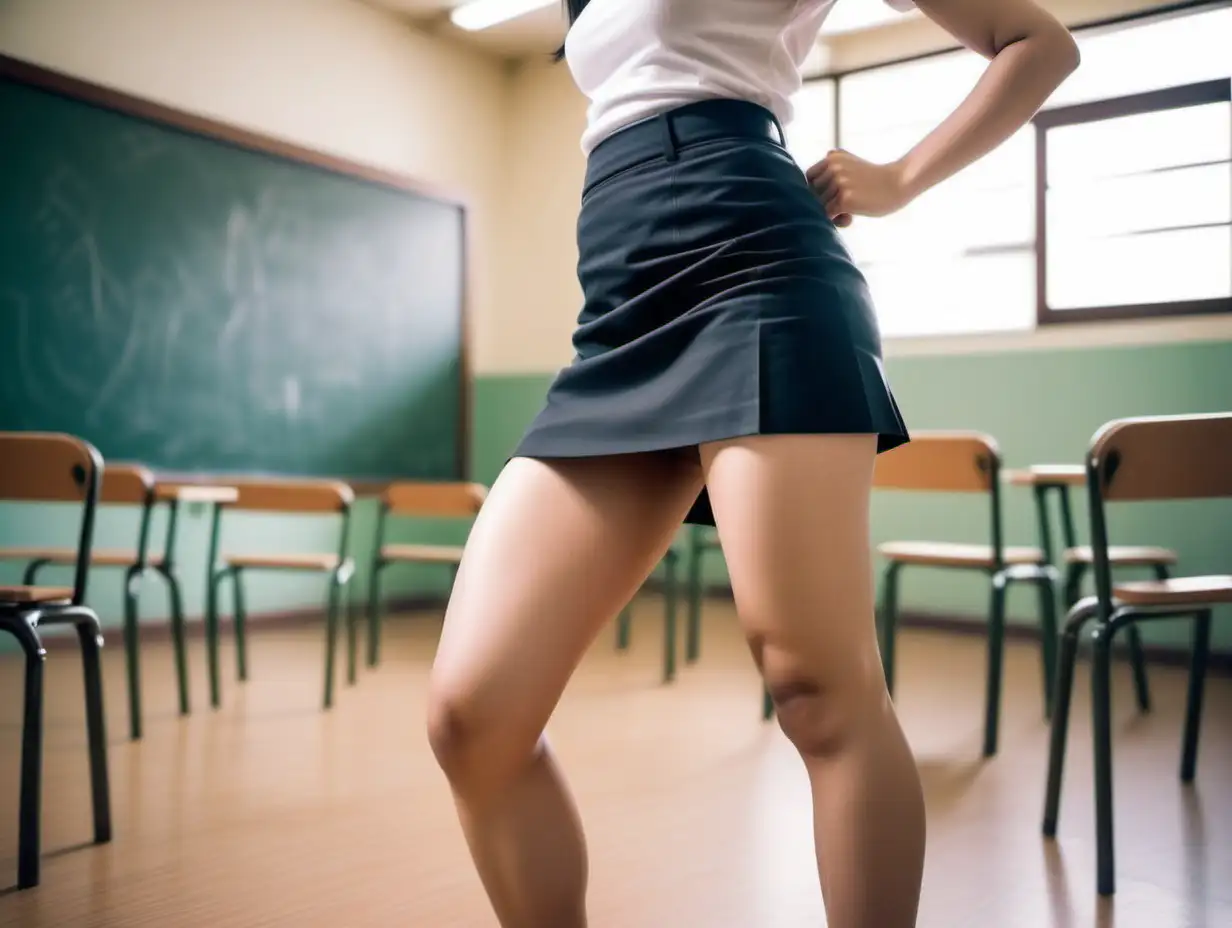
point(663, 136)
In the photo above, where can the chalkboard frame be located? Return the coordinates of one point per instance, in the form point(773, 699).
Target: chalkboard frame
point(57, 82)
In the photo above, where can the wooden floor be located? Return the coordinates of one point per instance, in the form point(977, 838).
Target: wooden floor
point(269, 812)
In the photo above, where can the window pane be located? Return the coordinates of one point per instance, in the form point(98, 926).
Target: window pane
point(1145, 142)
point(921, 296)
point(1139, 203)
point(919, 93)
point(1165, 53)
point(810, 134)
point(1159, 267)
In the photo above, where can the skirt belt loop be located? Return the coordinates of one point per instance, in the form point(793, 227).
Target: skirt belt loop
point(670, 150)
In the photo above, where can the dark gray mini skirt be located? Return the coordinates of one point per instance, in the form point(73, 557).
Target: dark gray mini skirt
point(719, 300)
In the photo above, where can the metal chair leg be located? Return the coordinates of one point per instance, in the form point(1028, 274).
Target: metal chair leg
point(889, 621)
point(1063, 690)
point(132, 650)
point(30, 802)
point(352, 632)
point(1101, 724)
point(624, 624)
point(374, 614)
point(693, 635)
point(90, 636)
point(1193, 706)
point(1047, 588)
point(996, 656)
point(241, 624)
point(1137, 661)
point(179, 637)
point(1073, 584)
point(331, 640)
point(669, 620)
point(1137, 654)
point(211, 635)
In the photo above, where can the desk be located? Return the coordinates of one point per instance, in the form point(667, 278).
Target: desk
point(1043, 479)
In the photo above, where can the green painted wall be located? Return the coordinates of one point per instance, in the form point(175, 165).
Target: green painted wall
point(1042, 406)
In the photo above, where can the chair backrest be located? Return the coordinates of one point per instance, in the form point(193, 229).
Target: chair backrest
point(127, 485)
point(412, 498)
point(1164, 457)
point(273, 494)
point(947, 462)
point(51, 467)
point(47, 467)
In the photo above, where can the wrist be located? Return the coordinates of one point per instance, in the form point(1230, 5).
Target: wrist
point(907, 179)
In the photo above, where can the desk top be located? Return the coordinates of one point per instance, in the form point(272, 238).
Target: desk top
point(194, 493)
point(1048, 475)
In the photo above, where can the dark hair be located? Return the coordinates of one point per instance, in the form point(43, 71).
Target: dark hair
point(573, 8)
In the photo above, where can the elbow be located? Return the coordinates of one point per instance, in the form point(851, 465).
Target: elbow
point(1051, 47)
point(1060, 50)
point(1068, 55)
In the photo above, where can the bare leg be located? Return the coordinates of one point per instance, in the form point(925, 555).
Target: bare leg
point(792, 513)
point(555, 553)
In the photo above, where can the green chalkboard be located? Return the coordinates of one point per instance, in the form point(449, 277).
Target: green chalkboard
point(207, 301)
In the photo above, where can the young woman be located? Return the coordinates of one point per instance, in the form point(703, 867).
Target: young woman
point(727, 372)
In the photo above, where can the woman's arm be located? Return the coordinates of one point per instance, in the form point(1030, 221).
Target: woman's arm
point(1030, 52)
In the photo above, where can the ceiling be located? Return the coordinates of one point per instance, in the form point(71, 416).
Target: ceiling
point(539, 32)
point(536, 33)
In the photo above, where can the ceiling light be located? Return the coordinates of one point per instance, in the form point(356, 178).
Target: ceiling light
point(483, 14)
point(854, 15)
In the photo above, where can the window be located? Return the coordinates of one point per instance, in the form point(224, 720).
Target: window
point(1136, 199)
point(963, 258)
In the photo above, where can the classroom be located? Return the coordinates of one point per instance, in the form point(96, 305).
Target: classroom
point(284, 283)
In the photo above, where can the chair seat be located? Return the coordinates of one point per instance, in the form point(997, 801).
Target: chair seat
point(35, 594)
point(949, 554)
point(1181, 591)
point(1124, 556)
point(433, 554)
point(321, 562)
point(110, 558)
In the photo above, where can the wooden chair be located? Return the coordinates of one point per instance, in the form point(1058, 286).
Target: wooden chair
point(671, 593)
point(965, 462)
point(411, 499)
point(123, 485)
point(40, 467)
point(299, 497)
point(1133, 460)
point(1043, 479)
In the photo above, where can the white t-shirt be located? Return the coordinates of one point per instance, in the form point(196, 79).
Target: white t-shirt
point(636, 58)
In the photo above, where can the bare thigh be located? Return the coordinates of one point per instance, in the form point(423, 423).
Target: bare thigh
point(557, 550)
point(792, 516)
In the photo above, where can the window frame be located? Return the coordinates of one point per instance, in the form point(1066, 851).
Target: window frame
point(1153, 101)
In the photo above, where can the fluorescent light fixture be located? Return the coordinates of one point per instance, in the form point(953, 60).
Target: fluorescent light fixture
point(854, 15)
point(483, 14)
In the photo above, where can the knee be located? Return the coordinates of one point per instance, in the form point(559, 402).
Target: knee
point(452, 735)
point(473, 746)
point(823, 712)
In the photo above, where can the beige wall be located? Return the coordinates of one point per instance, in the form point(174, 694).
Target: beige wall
point(543, 172)
point(332, 75)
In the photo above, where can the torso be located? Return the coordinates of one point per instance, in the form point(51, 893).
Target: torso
point(636, 58)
